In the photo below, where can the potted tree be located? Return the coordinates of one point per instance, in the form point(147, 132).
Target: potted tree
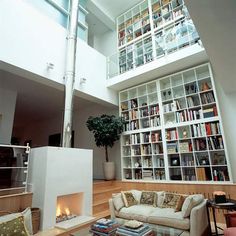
point(106, 130)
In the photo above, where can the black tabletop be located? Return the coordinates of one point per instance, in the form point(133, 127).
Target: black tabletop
point(230, 204)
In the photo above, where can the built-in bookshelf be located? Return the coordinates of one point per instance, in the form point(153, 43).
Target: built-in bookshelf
point(152, 29)
point(173, 130)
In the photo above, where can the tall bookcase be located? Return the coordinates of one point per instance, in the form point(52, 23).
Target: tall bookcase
point(173, 129)
point(152, 29)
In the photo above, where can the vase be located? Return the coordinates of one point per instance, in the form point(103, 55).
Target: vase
point(109, 170)
point(205, 86)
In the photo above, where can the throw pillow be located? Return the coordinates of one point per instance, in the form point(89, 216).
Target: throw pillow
point(160, 198)
point(137, 195)
point(170, 200)
point(148, 198)
point(27, 218)
point(190, 202)
point(128, 198)
point(118, 201)
point(14, 227)
point(180, 203)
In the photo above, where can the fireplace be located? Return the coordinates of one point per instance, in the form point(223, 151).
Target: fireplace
point(61, 180)
point(68, 206)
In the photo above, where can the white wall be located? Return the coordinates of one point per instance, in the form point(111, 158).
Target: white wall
point(106, 43)
point(30, 40)
point(227, 103)
point(7, 111)
point(85, 139)
point(91, 65)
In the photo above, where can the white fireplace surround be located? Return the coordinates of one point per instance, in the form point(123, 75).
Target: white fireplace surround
point(54, 172)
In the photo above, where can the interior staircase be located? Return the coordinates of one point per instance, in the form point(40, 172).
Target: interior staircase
point(102, 191)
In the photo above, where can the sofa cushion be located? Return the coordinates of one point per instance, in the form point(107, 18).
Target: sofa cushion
point(136, 194)
point(118, 201)
point(14, 227)
point(160, 198)
point(168, 217)
point(128, 198)
point(171, 200)
point(27, 218)
point(180, 203)
point(136, 212)
point(190, 202)
point(148, 198)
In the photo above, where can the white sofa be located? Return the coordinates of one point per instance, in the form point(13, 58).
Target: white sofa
point(194, 224)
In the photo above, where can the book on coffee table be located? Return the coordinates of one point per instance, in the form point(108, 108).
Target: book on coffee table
point(143, 230)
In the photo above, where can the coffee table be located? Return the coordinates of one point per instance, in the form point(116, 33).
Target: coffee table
point(158, 229)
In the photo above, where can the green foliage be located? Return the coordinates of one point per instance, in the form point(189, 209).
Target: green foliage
point(106, 130)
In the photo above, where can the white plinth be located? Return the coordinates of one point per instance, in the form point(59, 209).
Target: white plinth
point(54, 172)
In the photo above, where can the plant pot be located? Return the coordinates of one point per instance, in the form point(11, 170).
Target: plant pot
point(109, 170)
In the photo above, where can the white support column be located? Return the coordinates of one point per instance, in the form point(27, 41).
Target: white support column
point(70, 73)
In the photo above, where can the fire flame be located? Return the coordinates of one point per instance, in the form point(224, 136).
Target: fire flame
point(58, 210)
point(65, 211)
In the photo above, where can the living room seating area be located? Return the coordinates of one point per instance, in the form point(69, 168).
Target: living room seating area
point(161, 208)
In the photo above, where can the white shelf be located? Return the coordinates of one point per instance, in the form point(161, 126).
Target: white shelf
point(182, 158)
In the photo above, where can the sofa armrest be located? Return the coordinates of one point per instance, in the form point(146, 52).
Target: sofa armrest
point(112, 209)
point(198, 219)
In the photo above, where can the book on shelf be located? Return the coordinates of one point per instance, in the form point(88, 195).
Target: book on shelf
point(146, 149)
point(210, 112)
point(213, 128)
point(215, 143)
point(135, 139)
point(172, 148)
point(157, 148)
point(198, 130)
point(184, 147)
point(171, 134)
point(201, 174)
point(155, 121)
point(219, 175)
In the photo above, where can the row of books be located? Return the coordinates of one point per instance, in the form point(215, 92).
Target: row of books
point(192, 101)
point(135, 139)
point(146, 149)
point(200, 144)
point(171, 134)
point(215, 143)
point(169, 107)
point(155, 121)
point(147, 175)
point(160, 162)
point(146, 138)
point(213, 128)
point(207, 97)
point(133, 104)
point(157, 148)
point(210, 112)
point(220, 175)
point(198, 130)
point(188, 115)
